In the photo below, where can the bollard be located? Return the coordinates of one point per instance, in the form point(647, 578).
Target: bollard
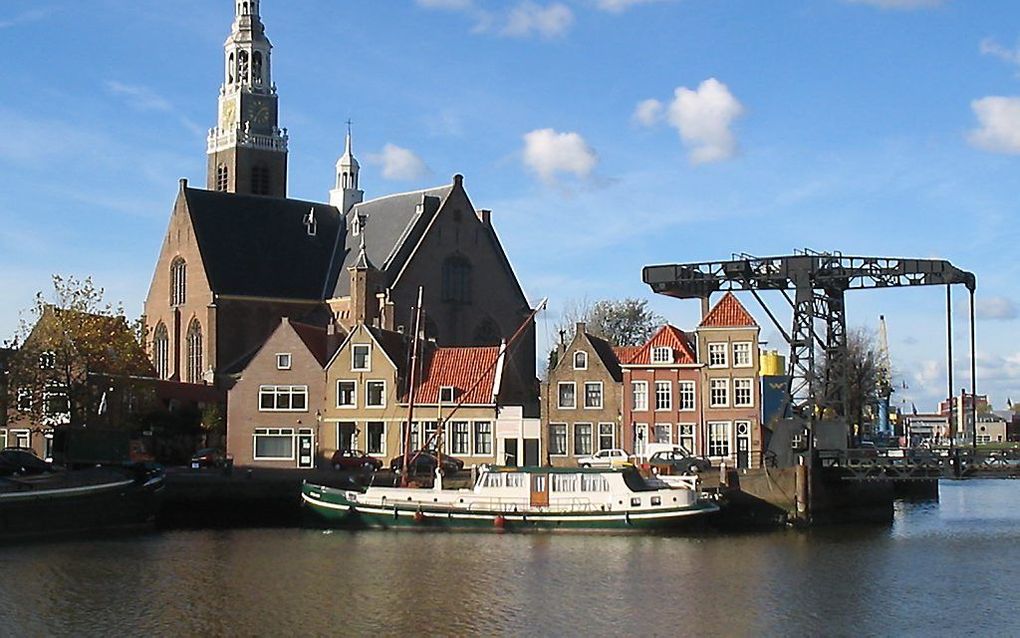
point(724, 476)
point(801, 482)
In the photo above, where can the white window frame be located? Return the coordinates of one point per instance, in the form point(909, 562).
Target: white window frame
point(353, 443)
point(368, 438)
point(18, 434)
point(561, 427)
point(750, 354)
point(584, 358)
point(687, 432)
point(668, 404)
point(368, 357)
point(559, 396)
point(284, 360)
point(451, 437)
point(598, 435)
point(447, 394)
point(724, 383)
point(273, 432)
point(277, 390)
point(750, 393)
point(662, 354)
point(591, 439)
point(475, 439)
point(669, 432)
point(48, 360)
point(716, 351)
point(640, 443)
point(601, 395)
point(24, 400)
point(709, 427)
point(354, 394)
point(636, 405)
point(3, 438)
point(368, 384)
point(687, 390)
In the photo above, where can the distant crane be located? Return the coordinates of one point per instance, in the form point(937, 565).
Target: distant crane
point(885, 390)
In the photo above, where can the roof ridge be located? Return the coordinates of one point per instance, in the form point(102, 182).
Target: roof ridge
point(392, 195)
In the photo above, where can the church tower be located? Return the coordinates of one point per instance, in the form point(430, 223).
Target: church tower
point(247, 149)
point(346, 194)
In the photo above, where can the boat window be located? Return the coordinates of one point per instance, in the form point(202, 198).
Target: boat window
point(493, 480)
point(656, 500)
point(514, 479)
point(564, 482)
point(594, 483)
point(635, 502)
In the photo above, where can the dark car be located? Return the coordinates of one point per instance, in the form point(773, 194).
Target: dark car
point(424, 462)
point(678, 462)
point(208, 457)
point(22, 461)
point(354, 460)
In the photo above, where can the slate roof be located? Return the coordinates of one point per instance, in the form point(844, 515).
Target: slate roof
point(728, 313)
point(607, 353)
point(394, 344)
point(260, 246)
point(667, 335)
point(472, 371)
point(314, 339)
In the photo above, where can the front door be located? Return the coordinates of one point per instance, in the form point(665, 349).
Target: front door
point(530, 452)
point(305, 456)
point(539, 490)
point(510, 452)
point(743, 444)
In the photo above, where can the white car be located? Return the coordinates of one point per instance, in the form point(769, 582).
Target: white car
point(612, 457)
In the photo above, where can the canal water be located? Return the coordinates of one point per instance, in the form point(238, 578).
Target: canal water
point(949, 568)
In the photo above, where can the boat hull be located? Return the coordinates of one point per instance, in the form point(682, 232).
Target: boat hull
point(334, 508)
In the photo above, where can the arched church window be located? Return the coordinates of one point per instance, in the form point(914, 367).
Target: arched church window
point(242, 67)
point(256, 69)
point(178, 281)
point(457, 280)
point(230, 69)
point(161, 351)
point(487, 334)
point(260, 179)
point(222, 178)
point(194, 352)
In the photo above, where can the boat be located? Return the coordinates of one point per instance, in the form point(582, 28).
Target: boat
point(51, 503)
point(519, 499)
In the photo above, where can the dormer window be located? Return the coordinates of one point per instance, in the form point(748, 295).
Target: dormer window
point(447, 394)
point(662, 354)
point(283, 361)
point(580, 360)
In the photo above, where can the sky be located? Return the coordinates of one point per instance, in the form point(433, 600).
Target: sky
point(605, 135)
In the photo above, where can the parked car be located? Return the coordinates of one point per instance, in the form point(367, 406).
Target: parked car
point(208, 457)
point(612, 457)
point(22, 461)
point(425, 461)
point(678, 461)
point(355, 460)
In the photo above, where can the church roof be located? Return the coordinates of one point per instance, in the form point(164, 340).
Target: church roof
point(261, 246)
point(729, 313)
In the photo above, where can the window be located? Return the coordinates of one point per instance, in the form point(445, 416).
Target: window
point(515, 479)
point(48, 360)
point(563, 482)
point(460, 434)
point(639, 395)
point(195, 371)
point(260, 179)
point(662, 354)
point(22, 438)
point(663, 433)
point(415, 430)
point(742, 355)
point(274, 444)
point(582, 439)
point(567, 395)
point(743, 395)
point(430, 441)
point(346, 394)
point(457, 280)
point(663, 395)
point(717, 355)
point(483, 438)
point(283, 361)
point(361, 357)
point(222, 178)
point(607, 436)
point(593, 483)
point(640, 438)
point(24, 400)
point(346, 435)
point(686, 436)
point(256, 69)
point(161, 351)
point(580, 360)
point(687, 395)
point(447, 394)
point(718, 439)
point(283, 398)
point(593, 394)
point(376, 437)
point(55, 401)
point(375, 394)
point(557, 439)
point(3, 439)
point(178, 281)
point(719, 393)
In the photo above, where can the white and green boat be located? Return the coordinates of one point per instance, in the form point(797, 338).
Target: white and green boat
point(520, 499)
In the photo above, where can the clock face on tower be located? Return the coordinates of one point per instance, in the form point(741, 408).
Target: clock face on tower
point(228, 118)
point(259, 112)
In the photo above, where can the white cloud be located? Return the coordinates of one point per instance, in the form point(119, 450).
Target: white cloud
point(619, 6)
point(548, 153)
point(994, 308)
point(400, 163)
point(528, 18)
point(648, 112)
point(999, 120)
point(704, 119)
point(25, 17)
point(139, 97)
point(990, 47)
point(900, 4)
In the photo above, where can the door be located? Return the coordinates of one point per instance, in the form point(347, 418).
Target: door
point(539, 489)
point(510, 452)
point(531, 452)
point(640, 439)
point(305, 456)
point(743, 444)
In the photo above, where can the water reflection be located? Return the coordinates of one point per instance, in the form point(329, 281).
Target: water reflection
point(944, 568)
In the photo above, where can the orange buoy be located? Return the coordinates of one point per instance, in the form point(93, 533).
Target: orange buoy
point(419, 517)
point(499, 522)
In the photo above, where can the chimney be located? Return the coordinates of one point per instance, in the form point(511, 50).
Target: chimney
point(386, 311)
point(485, 216)
point(334, 338)
point(704, 307)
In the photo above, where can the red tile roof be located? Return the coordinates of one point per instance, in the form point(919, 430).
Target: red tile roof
point(670, 336)
point(728, 313)
point(471, 371)
point(625, 353)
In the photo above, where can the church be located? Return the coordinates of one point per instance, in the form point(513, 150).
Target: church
point(240, 255)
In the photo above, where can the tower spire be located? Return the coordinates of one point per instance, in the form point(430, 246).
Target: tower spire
point(346, 192)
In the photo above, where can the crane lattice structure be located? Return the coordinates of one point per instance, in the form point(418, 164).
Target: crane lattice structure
point(819, 282)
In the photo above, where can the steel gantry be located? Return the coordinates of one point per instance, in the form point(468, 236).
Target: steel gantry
point(819, 282)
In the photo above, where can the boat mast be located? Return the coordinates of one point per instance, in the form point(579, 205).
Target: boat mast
point(411, 387)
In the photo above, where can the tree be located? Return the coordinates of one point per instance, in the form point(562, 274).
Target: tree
point(864, 376)
point(67, 348)
point(621, 322)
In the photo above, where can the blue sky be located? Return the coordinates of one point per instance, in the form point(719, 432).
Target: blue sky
point(604, 134)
